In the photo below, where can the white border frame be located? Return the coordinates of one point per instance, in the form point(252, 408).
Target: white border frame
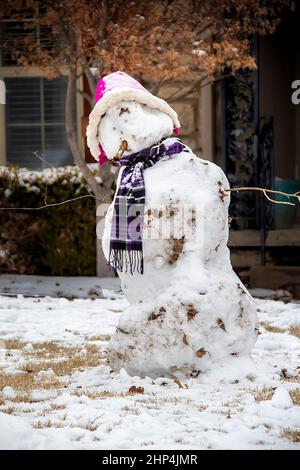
point(7, 72)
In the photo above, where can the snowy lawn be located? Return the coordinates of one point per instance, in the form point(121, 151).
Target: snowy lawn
point(58, 392)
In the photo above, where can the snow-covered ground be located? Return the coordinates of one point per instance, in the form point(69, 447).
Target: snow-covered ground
point(57, 391)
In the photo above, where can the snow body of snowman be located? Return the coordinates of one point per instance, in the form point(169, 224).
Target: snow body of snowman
point(188, 311)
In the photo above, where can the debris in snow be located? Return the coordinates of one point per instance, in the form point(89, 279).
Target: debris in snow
point(31, 179)
point(81, 353)
point(282, 399)
point(8, 392)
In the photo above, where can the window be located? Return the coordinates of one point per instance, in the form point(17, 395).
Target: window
point(35, 121)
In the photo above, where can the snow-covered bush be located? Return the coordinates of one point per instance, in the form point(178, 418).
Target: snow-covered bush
point(57, 240)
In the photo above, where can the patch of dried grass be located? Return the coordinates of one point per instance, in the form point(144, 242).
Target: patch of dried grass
point(9, 410)
point(56, 407)
point(143, 400)
point(176, 249)
point(99, 394)
point(54, 348)
point(225, 412)
point(18, 410)
point(291, 434)
point(146, 400)
point(293, 330)
point(286, 377)
point(47, 424)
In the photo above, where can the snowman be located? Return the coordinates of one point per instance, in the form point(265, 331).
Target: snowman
point(166, 234)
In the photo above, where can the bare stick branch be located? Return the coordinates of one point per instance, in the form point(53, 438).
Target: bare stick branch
point(71, 136)
point(265, 191)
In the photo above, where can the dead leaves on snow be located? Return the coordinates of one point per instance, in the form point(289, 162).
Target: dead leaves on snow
point(291, 434)
point(263, 394)
point(48, 356)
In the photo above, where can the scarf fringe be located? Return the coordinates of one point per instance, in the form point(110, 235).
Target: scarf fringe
point(127, 260)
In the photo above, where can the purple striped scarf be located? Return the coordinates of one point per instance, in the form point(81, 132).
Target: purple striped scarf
point(126, 240)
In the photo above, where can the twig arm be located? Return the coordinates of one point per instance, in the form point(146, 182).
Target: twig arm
point(265, 191)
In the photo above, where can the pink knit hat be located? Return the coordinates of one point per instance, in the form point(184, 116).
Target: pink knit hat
point(112, 89)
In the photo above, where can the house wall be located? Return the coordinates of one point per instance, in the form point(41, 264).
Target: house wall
point(6, 72)
point(195, 113)
point(278, 67)
point(85, 121)
point(2, 135)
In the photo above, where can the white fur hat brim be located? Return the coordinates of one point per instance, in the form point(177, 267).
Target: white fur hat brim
point(112, 98)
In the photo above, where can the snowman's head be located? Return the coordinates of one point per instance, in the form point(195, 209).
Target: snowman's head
point(135, 124)
point(127, 112)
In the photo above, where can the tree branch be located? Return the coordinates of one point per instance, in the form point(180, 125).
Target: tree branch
point(91, 81)
point(185, 92)
point(86, 96)
point(196, 87)
point(103, 22)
